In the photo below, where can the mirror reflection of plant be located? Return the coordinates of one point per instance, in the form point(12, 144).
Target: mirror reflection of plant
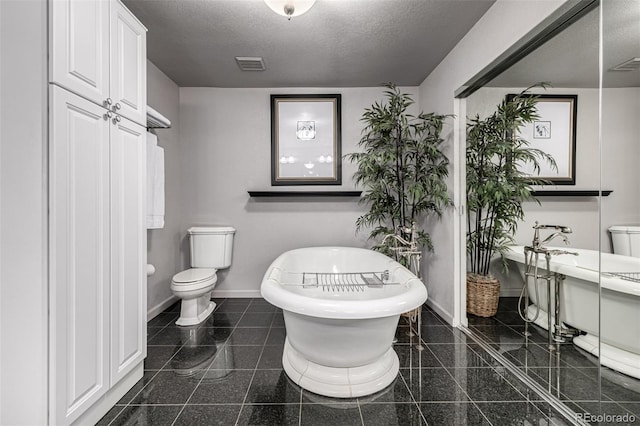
point(496, 187)
point(402, 169)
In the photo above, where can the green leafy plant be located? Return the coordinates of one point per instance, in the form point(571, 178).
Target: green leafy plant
point(401, 168)
point(496, 187)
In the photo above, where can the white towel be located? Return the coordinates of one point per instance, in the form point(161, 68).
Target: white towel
point(155, 183)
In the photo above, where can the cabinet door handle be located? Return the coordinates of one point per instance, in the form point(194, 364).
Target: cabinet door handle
point(116, 119)
point(107, 115)
point(108, 102)
point(117, 106)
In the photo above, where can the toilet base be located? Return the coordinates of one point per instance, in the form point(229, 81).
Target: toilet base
point(195, 311)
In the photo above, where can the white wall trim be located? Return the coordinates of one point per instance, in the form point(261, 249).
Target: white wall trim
point(460, 207)
point(236, 293)
point(159, 308)
point(444, 314)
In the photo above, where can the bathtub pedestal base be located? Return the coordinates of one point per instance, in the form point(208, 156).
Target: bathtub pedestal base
point(615, 358)
point(348, 382)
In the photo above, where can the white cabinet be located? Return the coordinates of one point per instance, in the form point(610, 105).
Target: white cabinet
point(128, 247)
point(97, 252)
point(79, 47)
point(79, 255)
point(128, 64)
point(98, 51)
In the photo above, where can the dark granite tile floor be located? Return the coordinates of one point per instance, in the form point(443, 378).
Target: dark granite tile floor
point(567, 372)
point(228, 371)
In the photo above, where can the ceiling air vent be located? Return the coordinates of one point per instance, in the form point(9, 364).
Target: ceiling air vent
point(248, 63)
point(630, 65)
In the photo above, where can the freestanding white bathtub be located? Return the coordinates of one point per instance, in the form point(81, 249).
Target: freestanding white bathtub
point(618, 324)
point(341, 307)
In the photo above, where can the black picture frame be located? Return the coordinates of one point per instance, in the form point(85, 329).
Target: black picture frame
point(306, 139)
point(554, 133)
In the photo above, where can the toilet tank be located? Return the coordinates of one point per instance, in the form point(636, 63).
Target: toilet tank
point(626, 239)
point(211, 246)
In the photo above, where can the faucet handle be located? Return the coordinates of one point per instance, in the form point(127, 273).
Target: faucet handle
point(561, 228)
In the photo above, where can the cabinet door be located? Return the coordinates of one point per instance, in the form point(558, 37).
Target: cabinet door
point(128, 64)
point(79, 255)
point(79, 57)
point(128, 247)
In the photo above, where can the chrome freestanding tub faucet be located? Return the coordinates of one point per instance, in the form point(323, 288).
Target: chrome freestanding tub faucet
point(556, 332)
point(560, 228)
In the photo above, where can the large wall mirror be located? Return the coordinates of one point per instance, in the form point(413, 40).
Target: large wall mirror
point(590, 363)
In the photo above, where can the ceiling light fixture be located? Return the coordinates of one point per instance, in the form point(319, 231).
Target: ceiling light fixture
point(290, 8)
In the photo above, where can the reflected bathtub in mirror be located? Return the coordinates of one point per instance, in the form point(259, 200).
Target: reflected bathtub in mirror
point(619, 347)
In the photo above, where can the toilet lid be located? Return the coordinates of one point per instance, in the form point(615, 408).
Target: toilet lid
point(625, 229)
point(194, 275)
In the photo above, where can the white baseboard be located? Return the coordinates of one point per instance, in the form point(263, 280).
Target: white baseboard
point(444, 314)
point(158, 309)
point(235, 293)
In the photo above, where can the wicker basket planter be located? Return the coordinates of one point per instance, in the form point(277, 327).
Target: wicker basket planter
point(483, 294)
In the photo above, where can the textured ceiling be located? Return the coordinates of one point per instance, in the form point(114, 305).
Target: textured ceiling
point(339, 43)
point(571, 58)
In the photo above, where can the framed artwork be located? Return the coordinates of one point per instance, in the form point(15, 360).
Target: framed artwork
point(306, 133)
point(554, 133)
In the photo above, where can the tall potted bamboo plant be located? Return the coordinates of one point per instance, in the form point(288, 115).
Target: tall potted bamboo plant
point(403, 171)
point(496, 189)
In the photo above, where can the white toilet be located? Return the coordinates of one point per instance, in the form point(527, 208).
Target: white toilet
point(211, 249)
point(626, 239)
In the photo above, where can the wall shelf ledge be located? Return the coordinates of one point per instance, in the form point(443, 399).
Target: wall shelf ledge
point(304, 193)
point(572, 193)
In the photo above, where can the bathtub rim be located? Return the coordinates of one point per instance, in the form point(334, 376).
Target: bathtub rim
point(279, 296)
point(516, 254)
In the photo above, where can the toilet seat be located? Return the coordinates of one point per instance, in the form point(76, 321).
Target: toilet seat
point(194, 279)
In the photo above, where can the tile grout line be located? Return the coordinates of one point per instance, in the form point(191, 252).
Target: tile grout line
point(456, 381)
point(255, 368)
point(478, 350)
point(128, 404)
point(525, 397)
point(565, 364)
point(209, 366)
point(563, 410)
point(413, 399)
point(300, 408)
point(158, 371)
point(360, 411)
point(117, 415)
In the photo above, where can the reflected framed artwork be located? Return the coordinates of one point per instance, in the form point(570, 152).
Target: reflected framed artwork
point(554, 132)
point(306, 133)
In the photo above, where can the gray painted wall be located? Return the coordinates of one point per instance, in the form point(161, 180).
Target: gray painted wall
point(226, 143)
point(164, 245)
point(23, 213)
point(503, 25)
point(620, 159)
